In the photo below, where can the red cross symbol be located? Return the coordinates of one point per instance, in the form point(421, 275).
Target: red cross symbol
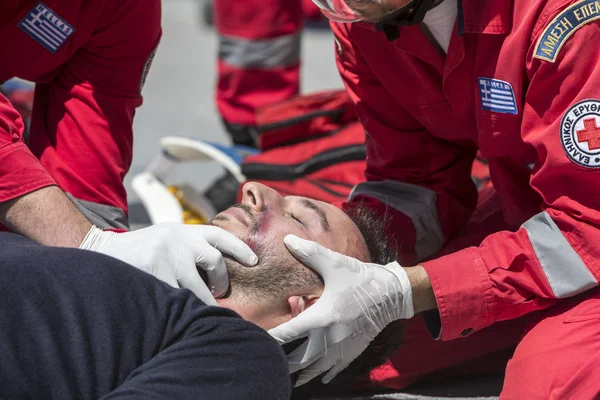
point(591, 134)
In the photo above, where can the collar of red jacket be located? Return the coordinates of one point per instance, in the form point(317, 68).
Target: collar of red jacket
point(480, 16)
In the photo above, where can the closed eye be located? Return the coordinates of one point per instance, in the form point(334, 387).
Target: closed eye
point(297, 220)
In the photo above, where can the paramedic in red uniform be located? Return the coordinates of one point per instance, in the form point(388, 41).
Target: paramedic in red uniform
point(433, 81)
point(258, 64)
point(89, 60)
point(259, 58)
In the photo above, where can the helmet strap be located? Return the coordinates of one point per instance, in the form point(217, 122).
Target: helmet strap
point(412, 14)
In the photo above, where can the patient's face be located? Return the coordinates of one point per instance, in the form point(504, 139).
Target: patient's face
point(280, 287)
point(265, 217)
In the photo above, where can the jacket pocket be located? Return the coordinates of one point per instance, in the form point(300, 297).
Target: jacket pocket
point(588, 309)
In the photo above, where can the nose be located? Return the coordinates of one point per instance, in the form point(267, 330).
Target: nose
point(260, 197)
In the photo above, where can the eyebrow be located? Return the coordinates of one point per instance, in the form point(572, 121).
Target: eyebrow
point(322, 217)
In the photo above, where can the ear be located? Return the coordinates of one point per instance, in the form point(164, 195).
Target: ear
point(300, 303)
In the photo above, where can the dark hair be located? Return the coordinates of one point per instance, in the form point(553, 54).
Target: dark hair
point(373, 228)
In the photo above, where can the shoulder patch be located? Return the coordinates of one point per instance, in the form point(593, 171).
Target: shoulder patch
point(497, 96)
point(580, 133)
point(563, 26)
point(46, 27)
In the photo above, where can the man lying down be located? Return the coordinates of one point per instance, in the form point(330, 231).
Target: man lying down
point(77, 324)
point(280, 287)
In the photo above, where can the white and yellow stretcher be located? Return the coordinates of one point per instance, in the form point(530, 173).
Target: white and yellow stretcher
point(183, 203)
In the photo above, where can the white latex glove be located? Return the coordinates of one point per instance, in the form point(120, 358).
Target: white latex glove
point(171, 252)
point(358, 301)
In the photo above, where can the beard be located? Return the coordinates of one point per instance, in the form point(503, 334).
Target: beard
point(275, 277)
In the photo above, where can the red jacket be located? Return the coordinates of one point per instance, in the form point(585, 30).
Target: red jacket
point(89, 60)
point(521, 82)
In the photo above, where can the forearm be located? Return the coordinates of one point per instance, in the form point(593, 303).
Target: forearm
point(46, 216)
point(423, 295)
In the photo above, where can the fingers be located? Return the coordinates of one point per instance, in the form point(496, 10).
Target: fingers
point(166, 277)
point(296, 357)
point(309, 352)
point(301, 249)
point(197, 286)
point(299, 327)
point(308, 374)
point(286, 334)
point(309, 253)
point(229, 244)
point(216, 272)
point(321, 365)
point(342, 364)
point(185, 276)
point(201, 254)
point(208, 243)
point(334, 359)
point(347, 351)
point(218, 280)
point(190, 279)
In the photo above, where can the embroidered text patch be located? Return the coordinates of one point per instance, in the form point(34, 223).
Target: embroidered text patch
point(563, 26)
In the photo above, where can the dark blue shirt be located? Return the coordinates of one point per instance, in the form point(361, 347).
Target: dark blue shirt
point(80, 325)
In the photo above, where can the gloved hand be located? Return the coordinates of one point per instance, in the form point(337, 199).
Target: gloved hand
point(171, 252)
point(358, 301)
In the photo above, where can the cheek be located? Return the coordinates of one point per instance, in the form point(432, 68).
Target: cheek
point(274, 230)
point(346, 240)
point(270, 235)
point(265, 226)
point(254, 243)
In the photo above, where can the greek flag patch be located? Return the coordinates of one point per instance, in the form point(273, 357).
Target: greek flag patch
point(563, 26)
point(45, 27)
point(497, 96)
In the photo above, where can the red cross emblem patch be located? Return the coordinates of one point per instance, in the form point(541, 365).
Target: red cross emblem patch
point(580, 133)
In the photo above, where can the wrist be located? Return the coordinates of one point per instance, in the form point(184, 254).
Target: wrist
point(423, 295)
point(406, 308)
point(95, 239)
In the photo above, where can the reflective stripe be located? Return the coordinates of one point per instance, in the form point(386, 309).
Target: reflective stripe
point(266, 53)
point(565, 270)
point(104, 217)
point(417, 203)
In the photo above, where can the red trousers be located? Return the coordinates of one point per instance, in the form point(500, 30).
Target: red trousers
point(557, 352)
point(559, 355)
point(259, 55)
point(269, 29)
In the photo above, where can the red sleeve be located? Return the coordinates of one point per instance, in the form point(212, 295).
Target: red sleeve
point(555, 254)
point(82, 120)
point(20, 171)
point(428, 177)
